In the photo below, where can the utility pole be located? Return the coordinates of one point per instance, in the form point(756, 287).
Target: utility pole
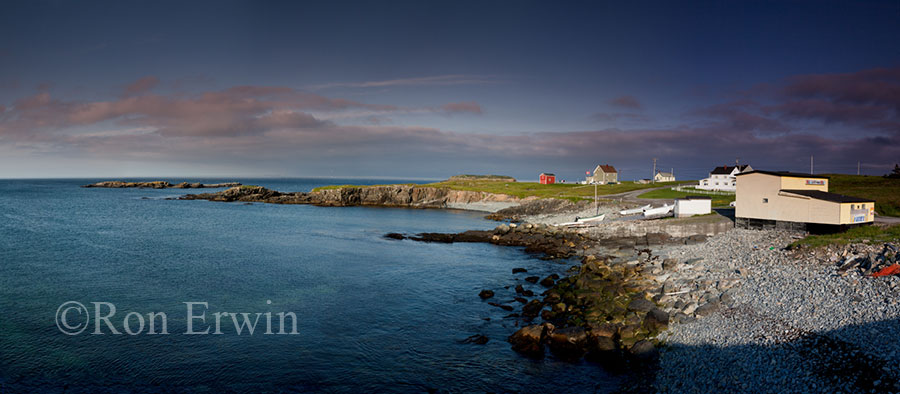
point(811, 165)
point(736, 161)
point(857, 167)
point(653, 173)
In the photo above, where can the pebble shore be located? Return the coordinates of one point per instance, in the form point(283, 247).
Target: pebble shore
point(791, 324)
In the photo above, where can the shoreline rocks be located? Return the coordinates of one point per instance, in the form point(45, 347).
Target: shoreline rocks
point(406, 196)
point(160, 185)
point(608, 307)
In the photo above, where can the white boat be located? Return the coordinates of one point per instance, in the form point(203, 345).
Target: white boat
point(590, 219)
point(659, 211)
point(583, 221)
point(634, 210)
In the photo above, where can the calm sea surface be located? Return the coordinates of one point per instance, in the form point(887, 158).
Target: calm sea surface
point(373, 314)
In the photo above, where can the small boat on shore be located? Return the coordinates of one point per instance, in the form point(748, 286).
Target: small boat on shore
point(659, 211)
point(633, 211)
point(583, 221)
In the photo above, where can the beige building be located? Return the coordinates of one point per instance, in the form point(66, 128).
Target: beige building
point(664, 177)
point(603, 174)
point(766, 199)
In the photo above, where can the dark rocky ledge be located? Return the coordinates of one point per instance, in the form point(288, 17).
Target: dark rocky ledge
point(605, 310)
point(408, 196)
point(161, 185)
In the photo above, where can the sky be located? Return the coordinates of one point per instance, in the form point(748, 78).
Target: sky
point(426, 90)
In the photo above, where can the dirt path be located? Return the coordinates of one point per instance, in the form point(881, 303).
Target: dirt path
point(632, 196)
point(887, 219)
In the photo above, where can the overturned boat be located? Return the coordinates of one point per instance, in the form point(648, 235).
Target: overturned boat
point(634, 210)
point(663, 210)
point(584, 221)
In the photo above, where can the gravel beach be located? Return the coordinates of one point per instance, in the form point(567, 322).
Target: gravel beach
point(791, 325)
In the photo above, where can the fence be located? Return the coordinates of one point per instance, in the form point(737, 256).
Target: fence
point(691, 189)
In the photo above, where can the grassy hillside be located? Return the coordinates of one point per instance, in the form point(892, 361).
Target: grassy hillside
point(568, 191)
point(717, 200)
point(885, 192)
point(868, 234)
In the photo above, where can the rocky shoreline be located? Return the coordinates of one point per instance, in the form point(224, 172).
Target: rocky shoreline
point(161, 185)
point(712, 309)
point(739, 311)
point(406, 196)
point(609, 307)
point(795, 323)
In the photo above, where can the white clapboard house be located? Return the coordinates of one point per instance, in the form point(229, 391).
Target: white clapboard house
point(723, 178)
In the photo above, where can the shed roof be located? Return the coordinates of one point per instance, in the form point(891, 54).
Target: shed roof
point(725, 170)
point(548, 174)
point(826, 196)
point(784, 173)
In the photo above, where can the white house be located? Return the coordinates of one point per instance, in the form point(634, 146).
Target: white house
point(664, 177)
point(603, 174)
point(723, 178)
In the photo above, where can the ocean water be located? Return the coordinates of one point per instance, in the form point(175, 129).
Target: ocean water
point(372, 314)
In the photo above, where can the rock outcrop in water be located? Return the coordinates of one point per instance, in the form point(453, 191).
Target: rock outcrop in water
point(605, 309)
point(161, 185)
point(383, 196)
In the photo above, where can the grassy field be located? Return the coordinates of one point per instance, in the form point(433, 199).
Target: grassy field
point(870, 234)
point(568, 191)
point(885, 192)
point(717, 200)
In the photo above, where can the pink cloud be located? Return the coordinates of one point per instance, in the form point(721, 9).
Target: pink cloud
point(626, 101)
point(142, 85)
point(462, 107)
point(284, 123)
point(611, 117)
point(438, 80)
point(867, 98)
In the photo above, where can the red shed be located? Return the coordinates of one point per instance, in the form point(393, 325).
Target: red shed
point(547, 179)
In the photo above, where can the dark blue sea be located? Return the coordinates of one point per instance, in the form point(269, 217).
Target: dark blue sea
point(373, 315)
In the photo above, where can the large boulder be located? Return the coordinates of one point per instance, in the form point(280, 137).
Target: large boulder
point(601, 348)
point(532, 309)
point(549, 281)
point(528, 340)
point(640, 305)
point(707, 308)
point(568, 343)
point(644, 351)
point(656, 320)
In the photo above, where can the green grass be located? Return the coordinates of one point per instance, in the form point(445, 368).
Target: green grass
point(871, 234)
point(331, 187)
point(568, 191)
point(248, 186)
point(484, 177)
point(885, 192)
point(717, 200)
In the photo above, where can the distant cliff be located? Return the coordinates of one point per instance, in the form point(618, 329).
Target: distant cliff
point(384, 196)
point(161, 185)
point(494, 178)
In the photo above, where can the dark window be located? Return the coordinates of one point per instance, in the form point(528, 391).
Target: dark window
point(765, 200)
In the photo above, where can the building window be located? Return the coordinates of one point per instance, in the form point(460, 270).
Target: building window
point(765, 201)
